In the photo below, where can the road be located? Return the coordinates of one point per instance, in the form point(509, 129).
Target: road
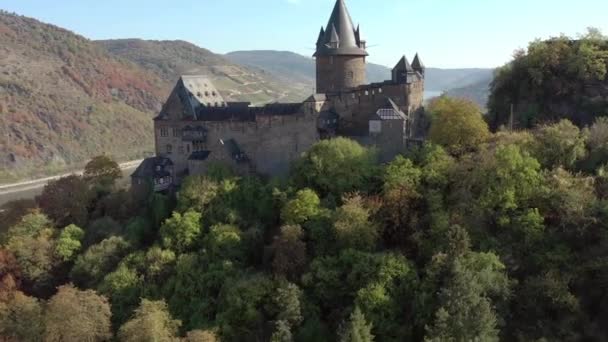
point(32, 188)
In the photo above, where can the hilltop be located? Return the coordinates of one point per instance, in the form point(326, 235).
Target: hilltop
point(170, 59)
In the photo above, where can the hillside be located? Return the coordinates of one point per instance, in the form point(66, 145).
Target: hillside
point(289, 66)
point(64, 99)
point(170, 59)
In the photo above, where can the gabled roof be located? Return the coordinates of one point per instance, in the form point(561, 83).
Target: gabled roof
point(190, 93)
point(340, 30)
point(316, 98)
point(154, 167)
point(417, 63)
point(403, 65)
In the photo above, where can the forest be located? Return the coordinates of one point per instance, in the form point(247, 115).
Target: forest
point(478, 234)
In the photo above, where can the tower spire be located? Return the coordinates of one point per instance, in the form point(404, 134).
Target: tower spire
point(341, 21)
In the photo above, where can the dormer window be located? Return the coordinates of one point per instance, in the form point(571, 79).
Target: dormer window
point(213, 93)
point(206, 94)
point(199, 94)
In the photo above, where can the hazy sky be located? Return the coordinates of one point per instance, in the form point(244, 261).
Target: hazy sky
point(446, 33)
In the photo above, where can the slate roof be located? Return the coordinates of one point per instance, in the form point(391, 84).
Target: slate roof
point(199, 155)
point(244, 113)
point(149, 168)
point(190, 93)
point(417, 63)
point(339, 36)
point(403, 65)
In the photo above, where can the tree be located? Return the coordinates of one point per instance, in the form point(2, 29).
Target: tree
point(357, 329)
point(31, 242)
point(12, 212)
point(464, 313)
point(289, 252)
point(224, 242)
point(100, 259)
point(560, 144)
point(103, 172)
point(74, 315)
point(353, 226)
point(66, 201)
point(305, 205)
point(180, 232)
point(335, 167)
point(21, 318)
point(101, 229)
point(282, 332)
point(151, 322)
point(196, 193)
point(69, 242)
point(457, 124)
point(201, 336)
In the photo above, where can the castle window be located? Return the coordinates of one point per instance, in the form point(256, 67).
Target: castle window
point(380, 91)
point(350, 75)
point(169, 149)
point(366, 92)
point(176, 132)
point(213, 93)
point(199, 94)
point(206, 93)
point(164, 132)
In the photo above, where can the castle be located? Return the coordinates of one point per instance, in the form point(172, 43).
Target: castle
point(197, 127)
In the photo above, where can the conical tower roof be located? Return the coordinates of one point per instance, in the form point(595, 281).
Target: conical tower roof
point(403, 65)
point(417, 63)
point(342, 23)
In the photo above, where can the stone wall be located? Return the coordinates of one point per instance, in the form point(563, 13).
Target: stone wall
point(336, 73)
point(271, 142)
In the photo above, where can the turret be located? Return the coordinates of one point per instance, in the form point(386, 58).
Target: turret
point(340, 54)
point(402, 70)
point(418, 66)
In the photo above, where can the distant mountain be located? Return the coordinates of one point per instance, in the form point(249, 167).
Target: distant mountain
point(170, 59)
point(64, 99)
point(477, 92)
point(290, 66)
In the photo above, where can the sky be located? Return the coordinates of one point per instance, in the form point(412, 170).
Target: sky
point(446, 33)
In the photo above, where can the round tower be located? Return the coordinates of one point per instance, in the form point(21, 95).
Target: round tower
point(340, 55)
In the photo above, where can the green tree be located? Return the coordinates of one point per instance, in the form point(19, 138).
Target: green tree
point(69, 242)
point(101, 229)
point(335, 167)
point(66, 201)
point(196, 193)
point(181, 232)
point(99, 260)
point(353, 226)
point(21, 318)
point(357, 329)
point(31, 242)
point(225, 242)
point(560, 144)
point(457, 124)
point(151, 322)
point(201, 336)
point(305, 205)
point(74, 315)
point(282, 332)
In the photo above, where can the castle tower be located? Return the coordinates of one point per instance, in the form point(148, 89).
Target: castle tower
point(340, 54)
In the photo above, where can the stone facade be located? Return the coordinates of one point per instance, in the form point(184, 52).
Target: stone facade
point(196, 128)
